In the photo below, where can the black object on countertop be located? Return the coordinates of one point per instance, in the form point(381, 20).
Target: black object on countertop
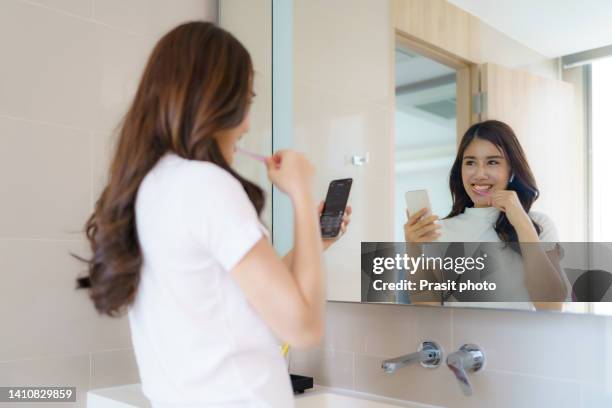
point(300, 383)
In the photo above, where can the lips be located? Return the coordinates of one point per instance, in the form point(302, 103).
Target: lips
point(482, 189)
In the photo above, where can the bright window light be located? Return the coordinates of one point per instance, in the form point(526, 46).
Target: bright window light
point(601, 150)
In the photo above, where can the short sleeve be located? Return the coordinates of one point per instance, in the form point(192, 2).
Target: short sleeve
point(219, 214)
point(548, 235)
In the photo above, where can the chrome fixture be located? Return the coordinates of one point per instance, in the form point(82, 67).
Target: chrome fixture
point(468, 359)
point(429, 355)
point(360, 160)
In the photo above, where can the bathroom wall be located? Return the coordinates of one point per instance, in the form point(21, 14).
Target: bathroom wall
point(532, 359)
point(69, 69)
point(340, 90)
point(343, 96)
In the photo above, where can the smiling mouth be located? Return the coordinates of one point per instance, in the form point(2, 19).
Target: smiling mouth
point(482, 189)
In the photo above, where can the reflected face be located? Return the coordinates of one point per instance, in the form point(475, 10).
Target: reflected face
point(484, 170)
point(227, 139)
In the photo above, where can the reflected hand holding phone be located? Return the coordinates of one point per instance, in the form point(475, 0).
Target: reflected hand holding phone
point(420, 229)
point(417, 200)
point(334, 207)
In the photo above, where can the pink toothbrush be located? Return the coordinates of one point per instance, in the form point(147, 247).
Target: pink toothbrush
point(252, 155)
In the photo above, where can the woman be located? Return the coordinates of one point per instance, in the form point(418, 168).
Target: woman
point(493, 189)
point(177, 240)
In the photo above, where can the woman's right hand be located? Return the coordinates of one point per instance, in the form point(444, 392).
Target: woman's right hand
point(291, 172)
point(421, 228)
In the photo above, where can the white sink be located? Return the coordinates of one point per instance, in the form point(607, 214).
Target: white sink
point(123, 396)
point(329, 399)
point(131, 396)
point(323, 397)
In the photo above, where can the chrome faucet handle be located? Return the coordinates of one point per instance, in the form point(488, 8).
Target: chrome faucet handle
point(468, 359)
point(429, 354)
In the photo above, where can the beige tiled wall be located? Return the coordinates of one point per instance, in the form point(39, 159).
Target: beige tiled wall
point(343, 106)
point(67, 72)
point(532, 359)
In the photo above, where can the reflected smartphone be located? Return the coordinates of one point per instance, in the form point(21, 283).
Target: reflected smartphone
point(417, 199)
point(333, 209)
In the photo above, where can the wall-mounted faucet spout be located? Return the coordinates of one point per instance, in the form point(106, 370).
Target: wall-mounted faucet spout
point(429, 355)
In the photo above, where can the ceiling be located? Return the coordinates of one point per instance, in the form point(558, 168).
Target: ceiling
point(553, 28)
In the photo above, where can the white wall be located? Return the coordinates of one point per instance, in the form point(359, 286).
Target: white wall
point(68, 71)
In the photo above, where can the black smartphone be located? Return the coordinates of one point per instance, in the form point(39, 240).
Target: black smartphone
point(333, 209)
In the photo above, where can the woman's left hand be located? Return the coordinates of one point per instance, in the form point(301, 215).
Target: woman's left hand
point(508, 202)
point(346, 219)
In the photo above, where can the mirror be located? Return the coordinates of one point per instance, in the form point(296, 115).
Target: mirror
point(384, 94)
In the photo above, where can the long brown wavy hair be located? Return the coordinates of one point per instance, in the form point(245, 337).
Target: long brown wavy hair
point(523, 182)
point(197, 82)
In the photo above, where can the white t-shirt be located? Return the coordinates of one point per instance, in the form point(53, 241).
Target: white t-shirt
point(475, 225)
point(197, 341)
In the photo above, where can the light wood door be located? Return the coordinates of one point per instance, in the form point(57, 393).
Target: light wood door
point(543, 112)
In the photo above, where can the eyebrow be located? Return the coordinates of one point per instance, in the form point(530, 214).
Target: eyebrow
point(488, 157)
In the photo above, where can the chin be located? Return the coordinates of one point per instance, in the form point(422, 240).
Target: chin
point(480, 200)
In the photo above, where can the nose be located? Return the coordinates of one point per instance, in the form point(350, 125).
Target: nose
point(480, 172)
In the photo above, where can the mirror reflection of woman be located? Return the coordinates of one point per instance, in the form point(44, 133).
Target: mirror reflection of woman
point(493, 190)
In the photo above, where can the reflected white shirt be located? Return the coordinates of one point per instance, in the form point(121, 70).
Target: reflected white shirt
point(475, 225)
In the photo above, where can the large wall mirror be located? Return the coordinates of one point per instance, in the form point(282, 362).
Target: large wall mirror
point(383, 94)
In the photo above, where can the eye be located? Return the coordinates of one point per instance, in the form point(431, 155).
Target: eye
point(493, 162)
point(469, 162)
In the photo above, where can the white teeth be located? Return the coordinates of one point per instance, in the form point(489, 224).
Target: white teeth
point(480, 187)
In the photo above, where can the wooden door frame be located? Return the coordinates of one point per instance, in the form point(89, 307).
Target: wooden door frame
point(467, 76)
